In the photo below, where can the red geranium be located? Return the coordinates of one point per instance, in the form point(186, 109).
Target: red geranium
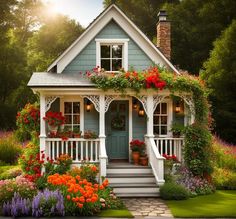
point(153, 80)
point(54, 118)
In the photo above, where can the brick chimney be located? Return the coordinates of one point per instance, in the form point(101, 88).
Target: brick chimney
point(163, 34)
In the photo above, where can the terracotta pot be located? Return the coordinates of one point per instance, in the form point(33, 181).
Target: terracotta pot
point(77, 135)
point(143, 161)
point(53, 129)
point(135, 156)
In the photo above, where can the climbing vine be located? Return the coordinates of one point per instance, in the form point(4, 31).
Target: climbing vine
point(197, 135)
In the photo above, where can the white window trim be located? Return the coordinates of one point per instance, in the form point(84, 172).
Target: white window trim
point(124, 42)
point(169, 117)
point(74, 99)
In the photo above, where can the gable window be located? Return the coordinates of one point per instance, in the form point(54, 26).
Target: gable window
point(112, 54)
point(161, 119)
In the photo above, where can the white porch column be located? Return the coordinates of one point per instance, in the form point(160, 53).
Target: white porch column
point(150, 107)
point(102, 155)
point(42, 135)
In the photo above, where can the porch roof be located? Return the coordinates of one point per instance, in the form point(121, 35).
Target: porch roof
point(45, 79)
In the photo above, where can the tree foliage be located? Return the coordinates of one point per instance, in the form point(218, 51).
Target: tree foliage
point(220, 76)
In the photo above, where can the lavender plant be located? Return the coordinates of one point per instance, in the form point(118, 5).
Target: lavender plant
point(18, 206)
point(195, 184)
point(48, 203)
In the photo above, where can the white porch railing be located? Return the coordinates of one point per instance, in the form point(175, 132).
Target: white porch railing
point(170, 146)
point(78, 149)
point(156, 161)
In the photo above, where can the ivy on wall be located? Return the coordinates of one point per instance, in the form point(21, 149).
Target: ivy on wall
point(197, 135)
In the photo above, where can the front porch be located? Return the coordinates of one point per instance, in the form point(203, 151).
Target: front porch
point(96, 150)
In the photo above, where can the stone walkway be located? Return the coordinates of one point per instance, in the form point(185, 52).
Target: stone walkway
point(147, 207)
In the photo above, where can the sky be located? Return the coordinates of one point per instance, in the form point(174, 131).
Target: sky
point(83, 11)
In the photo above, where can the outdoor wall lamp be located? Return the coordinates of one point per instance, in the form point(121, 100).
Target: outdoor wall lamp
point(177, 107)
point(135, 104)
point(88, 106)
point(141, 111)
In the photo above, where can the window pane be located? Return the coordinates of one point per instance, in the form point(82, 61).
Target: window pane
point(68, 107)
point(68, 119)
point(105, 51)
point(76, 119)
point(76, 108)
point(156, 119)
point(116, 64)
point(157, 110)
point(163, 130)
point(105, 64)
point(156, 130)
point(117, 51)
point(164, 108)
point(164, 120)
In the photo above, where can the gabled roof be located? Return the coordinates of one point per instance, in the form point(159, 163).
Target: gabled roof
point(112, 12)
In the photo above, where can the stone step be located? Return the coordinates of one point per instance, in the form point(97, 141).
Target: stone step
point(136, 190)
point(129, 170)
point(131, 195)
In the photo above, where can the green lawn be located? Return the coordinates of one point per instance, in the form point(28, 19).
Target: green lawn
point(123, 213)
point(220, 204)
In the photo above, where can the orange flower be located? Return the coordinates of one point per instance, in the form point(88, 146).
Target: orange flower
point(101, 187)
point(94, 168)
point(80, 205)
point(68, 197)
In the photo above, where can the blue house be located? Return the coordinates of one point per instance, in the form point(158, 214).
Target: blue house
point(112, 41)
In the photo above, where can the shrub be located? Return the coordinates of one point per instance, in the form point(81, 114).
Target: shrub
point(10, 172)
point(172, 191)
point(28, 120)
point(18, 206)
point(48, 203)
point(196, 185)
point(224, 179)
point(20, 184)
point(197, 150)
point(10, 150)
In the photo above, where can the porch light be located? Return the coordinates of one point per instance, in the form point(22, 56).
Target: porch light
point(141, 111)
point(177, 107)
point(88, 106)
point(135, 104)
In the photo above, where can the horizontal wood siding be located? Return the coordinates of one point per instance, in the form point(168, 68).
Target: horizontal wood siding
point(91, 120)
point(86, 60)
point(139, 126)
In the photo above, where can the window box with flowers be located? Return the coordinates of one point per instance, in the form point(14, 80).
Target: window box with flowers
point(54, 121)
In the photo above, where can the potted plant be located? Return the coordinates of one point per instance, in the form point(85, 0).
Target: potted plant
point(177, 129)
point(90, 135)
point(76, 133)
point(169, 162)
point(54, 120)
point(136, 146)
point(143, 159)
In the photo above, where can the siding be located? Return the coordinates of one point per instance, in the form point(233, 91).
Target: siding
point(91, 120)
point(139, 126)
point(86, 60)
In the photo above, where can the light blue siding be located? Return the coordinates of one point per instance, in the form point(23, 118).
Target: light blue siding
point(139, 126)
point(86, 60)
point(91, 120)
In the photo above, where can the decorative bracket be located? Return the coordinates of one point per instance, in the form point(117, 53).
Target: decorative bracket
point(143, 100)
point(188, 99)
point(108, 100)
point(95, 99)
point(156, 100)
point(48, 101)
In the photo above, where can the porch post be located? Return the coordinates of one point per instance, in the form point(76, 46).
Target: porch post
point(102, 155)
point(42, 135)
point(150, 106)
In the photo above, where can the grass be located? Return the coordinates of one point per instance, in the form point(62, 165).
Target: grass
point(220, 204)
point(123, 213)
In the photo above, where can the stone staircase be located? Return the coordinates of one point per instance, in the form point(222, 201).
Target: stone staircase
point(129, 180)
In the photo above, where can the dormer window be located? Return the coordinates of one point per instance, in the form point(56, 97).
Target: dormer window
point(112, 54)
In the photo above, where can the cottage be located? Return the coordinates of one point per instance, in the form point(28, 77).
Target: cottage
point(112, 41)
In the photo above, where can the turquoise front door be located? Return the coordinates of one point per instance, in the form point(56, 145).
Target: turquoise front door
point(117, 130)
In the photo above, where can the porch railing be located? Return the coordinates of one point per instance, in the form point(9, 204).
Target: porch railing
point(170, 146)
point(78, 149)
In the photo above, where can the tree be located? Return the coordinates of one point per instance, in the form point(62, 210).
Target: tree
point(220, 75)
